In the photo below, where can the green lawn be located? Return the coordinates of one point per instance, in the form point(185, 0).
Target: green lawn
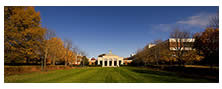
point(102, 75)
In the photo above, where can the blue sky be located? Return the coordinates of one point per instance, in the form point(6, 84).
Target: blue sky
point(121, 29)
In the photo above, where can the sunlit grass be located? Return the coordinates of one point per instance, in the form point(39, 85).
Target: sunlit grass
point(101, 75)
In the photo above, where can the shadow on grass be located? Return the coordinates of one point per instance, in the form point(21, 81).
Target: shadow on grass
point(182, 72)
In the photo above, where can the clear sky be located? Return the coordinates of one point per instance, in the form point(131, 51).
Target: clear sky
point(121, 29)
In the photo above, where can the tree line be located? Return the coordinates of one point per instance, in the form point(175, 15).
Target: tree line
point(27, 42)
point(205, 48)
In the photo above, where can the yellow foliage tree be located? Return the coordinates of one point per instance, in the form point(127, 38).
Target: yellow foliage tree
point(207, 42)
point(23, 35)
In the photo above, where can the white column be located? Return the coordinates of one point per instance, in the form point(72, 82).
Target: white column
point(117, 62)
point(98, 62)
point(112, 62)
point(103, 63)
point(121, 62)
point(108, 62)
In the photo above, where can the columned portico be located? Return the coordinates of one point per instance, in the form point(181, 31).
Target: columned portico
point(117, 62)
point(107, 62)
point(112, 62)
point(103, 63)
point(110, 59)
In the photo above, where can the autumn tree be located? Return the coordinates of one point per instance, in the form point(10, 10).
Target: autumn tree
point(192, 57)
point(71, 57)
point(161, 53)
point(85, 61)
point(23, 34)
point(68, 46)
point(138, 60)
point(164, 55)
point(158, 54)
point(139, 57)
point(55, 49)
point(214, 21)
point(157, 50)
point(25, 41)
point(47, 46)
point(181, 37)
point(207, 42)
point(149, 55)
point(61, 53)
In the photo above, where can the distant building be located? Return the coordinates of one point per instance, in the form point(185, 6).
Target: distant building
point(92, 61)
point(183, 44)
point(78, 59)
point(132, 54)
point(110, 60)
point(127, 61)
point(151, 45)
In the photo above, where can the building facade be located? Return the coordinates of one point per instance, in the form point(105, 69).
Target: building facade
point(92, 61)
point(181, 44)
point(110, 60)
point(151, 45)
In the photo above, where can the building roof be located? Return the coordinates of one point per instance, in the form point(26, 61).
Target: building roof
point(108, 54)
point(93, 58)
point(182, 39)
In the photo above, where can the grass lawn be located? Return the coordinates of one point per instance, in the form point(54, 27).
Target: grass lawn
point(103, 75)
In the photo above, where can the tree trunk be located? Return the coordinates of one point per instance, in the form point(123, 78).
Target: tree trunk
point(65, 62)
point(66, 59)
point(46, 54)
point(42, 65)
point(83, 62)
point(53, 61)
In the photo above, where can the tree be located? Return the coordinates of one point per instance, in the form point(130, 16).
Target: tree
point(139, 57)
point(61, 53)
point(68, 46)
point(207, 42)
point(71, 57)
point(55, 48)
point(47, 45)
point(85, 61)
point(164, 55)
point(214, 21)
point(179, 45)
point(157, 50)
point(23, 35)
point(192, 57)
point(84, 58)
